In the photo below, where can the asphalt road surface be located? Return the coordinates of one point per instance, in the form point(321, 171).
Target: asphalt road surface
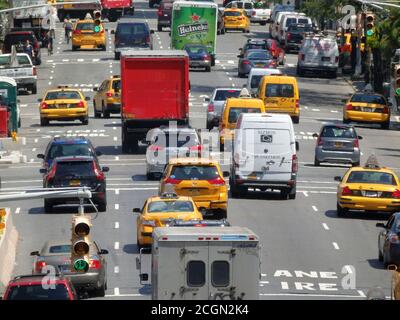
point(307, 251)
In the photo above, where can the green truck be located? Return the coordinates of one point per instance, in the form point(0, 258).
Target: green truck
point(194, 22)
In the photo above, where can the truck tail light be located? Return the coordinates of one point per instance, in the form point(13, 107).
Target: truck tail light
point(288, 36)
point(34, 72)
point(386, 110)
point(319, 141)
point(109, 94)
point(356, 144)
point(77, 32)
point(219, 181)
point(159, 12)
point(396, 194)
point(349, 106)
point(295, 164)
point(197, 148)
point(394, 239)
point(40, 265)
point(44, 105)
point(297, 104)
point(346, 191)
point(172, 181)
point(210, 107)
point(94, 264)
point(99, 174)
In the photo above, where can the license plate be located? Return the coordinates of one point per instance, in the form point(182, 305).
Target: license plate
point(371, 194)
point(63, 105)
point(338, 144)
point(326, 59)
point(252, 177)
point(367, 109)
point(75, 183)
point(259, 65)
point(194, 192)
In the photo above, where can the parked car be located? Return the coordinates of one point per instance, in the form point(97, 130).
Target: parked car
point(18, 38)
point(30, 287)
point(57, 253)
point(164, 14)
point(76, 172)
point(337, 144)
point(388, 241)
point(198, 56)
point(254, 58)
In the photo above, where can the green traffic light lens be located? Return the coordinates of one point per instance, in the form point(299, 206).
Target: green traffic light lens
point(96, 29)
point(398, 91)
point(370, 32)
point(81, 265)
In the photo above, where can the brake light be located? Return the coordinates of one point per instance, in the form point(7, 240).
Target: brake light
point(159, 12)
point(394, 238)
point(346, 191)
point(94, 264)
point(295, 165)
point(77, 32)
point(172, 181)
point(217, 181)
point(44, 105)
point(356, 144)
point(297, 103)
point(109, 94)
point(289, 36)
point(40, 265)
point(396, 194)
point(349, 106)
point(80, 104)
point(99, 174)
point(210, 107)
point(154, 148)
point(246, 62)
point(386, 110)
point(34, 72)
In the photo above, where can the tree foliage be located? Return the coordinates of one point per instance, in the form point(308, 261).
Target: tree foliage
point(322, 10)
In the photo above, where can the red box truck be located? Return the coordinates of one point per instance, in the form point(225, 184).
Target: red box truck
point(114, 9)
point(155, 91)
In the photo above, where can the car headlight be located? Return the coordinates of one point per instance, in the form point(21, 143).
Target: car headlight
point(149, 223)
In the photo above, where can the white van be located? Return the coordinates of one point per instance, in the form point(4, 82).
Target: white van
point(275, 25)
point(289, 19)
point(255, 76)
point(264, 155)
point(318, 53)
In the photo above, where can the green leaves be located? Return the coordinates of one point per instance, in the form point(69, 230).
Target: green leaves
point(388, 34)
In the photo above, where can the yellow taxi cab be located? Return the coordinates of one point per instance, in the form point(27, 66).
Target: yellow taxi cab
point(63, 104)
point(367, 107)
point(280, 94)
point(158, 211)
point(89, 34)
point(201, 179)
point(368, 188)
point(232, 109)
point(107, 98)
point(236, 19)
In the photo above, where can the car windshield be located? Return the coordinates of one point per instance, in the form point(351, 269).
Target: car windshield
point(196, 172)
point(289, 21)
point(74, 168)
point(196, 49)
point(116, 85)
point(279, 90)
point(22, 60)
point(222, 95)
point(57, 95)
point(235, 112)
point(131, 28)
point(182, 139)
point(61, 248)
point(38, 292)
point(232, 13)
point(368, 98)
point(338, 132)
point(170, 206)
point(303, 20)
point(259, 56)
point(86, 26)
point(66, 150)
point(374, 177)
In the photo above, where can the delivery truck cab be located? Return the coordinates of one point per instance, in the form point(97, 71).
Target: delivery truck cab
point(189, 263)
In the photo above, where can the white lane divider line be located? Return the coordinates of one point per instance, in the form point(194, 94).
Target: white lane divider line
point(305, 193)
point(116, 225)
point(36, 140)
point(116, 269)
point(263, 274)
point(37, 130)
point(17, 211)
point(32, 160)
point(116, 191)
point(315, 208)
point(116, 206)
point(115, 138)
point(34, 149)
point(315, 109)
point(335, 245)
point(116, 158)
point(361, 293)
point(116, 291)
point(325, 226)
point(114, 128)
point(116, 245)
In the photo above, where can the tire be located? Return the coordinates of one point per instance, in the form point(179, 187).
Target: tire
point(300, 72)
point(223, 31)
point(341, 212)
point(103, 48)
point(208, 69)
point(96, 113)
point(316, 162)
point(150, 176)
point(102, 206)
point(159, 28)
point(100, 292)
point(284, 194)
point(385, 125)
point(248, 31)
point(244, 30)
point(333, 75)
point(34, 89)
point(292, 193)
point(74, 48)
point(106, 114)
point(48, 208)
point(19, 125)
point(220, 214)
point(296, 119)
point(85, 121)
point(117, 55)
point(44, 122)
point(212, 60)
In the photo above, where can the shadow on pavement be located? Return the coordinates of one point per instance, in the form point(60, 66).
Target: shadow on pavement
point(375, 263)
point(359, 215)
point(131, 249)
point(61, 209)
point(109, 150)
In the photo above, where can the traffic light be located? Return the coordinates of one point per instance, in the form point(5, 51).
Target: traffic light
point(369, 26)
point(97, 21)
point(80, 243)
point(396, 76)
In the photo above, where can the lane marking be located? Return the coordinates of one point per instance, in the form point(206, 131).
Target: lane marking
point(116, 292)
point(116, 225)
point(325, 226)
point(115, 139)
point(116, 269)
point(305, 193)
point(124, 295)
point(18, 210)
point(315, 208)
point(116, 206)
point(335, 245)
point(263, 274)
point(34, 149)
point(36, 140)
point(116, 245)
point(116, 191)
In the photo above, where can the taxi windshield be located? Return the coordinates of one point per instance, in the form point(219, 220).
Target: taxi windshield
point(87, 26)
point(170, 206)
point(374, 177)
point(235, 112)
point(57, 95)
point(364, 98)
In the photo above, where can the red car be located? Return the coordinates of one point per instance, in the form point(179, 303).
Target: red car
point(40, 287)
point(277, 52)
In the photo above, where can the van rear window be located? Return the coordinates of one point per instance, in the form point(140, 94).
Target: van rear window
point(279, 90)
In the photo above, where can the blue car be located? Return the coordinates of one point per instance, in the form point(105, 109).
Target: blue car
point(389, 241)
point(66, 147)
point(198, 56)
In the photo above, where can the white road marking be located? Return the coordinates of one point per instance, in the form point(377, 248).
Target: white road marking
point(50, 83)
point(114, 128)
point(231, 61)
point(116, 226)
point(116, 291)
point(115, 138)
point(116, 191)
point(18, 210)
point(263, 274)
point(335, 245)
point(315, 208)
point(65, 60)
point(34, 149)
point(116, 158)
point(116, 269)
point(264, 282)
point(361, 293)
point(116, 245)
point(124, 295)
point(305, 193)
point(95, 60)
point(315, 109)
point(116, 206)
point(325, 226)
point(361, 153)
point(334, 111)
point(36, 140)
point(31, 160)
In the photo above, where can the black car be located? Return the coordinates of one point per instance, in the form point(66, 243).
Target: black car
point(254, 44)
point(79, 171)
point(295, 35)
point(389, 241)
point(131, 34)
point(18, 39)
point(164, 14)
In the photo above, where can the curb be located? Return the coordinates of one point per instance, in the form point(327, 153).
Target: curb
point(350, 83)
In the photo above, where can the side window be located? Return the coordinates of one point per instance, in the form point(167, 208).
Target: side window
point(196, 273)
point(390, 222)
point(220, 273)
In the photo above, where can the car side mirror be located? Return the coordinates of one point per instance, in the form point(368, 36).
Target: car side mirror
point(315, 135)
point(112, 31)
point(40, 156)
point(337, 178)
point(226, 174)
point(103, 251)
point(344, 100)
point(99, 153)
point(35, 253)
point(39, 100)
point(297, 146)
point(207, 99)
point(360, 137)
point(144, 277)
point(136, 210)
point(381, 225)
point(43, 171)
point(95, 89)
point(105, 169)
point(151, 31)
point(87, 98)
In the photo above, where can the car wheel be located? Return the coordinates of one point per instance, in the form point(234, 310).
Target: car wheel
point(116, 55)
point(106, 114)
point(208, 69)
point(221, 147)
point(150, 176)
point(159, 28)
point(296, 119)
point(244, 30)
point(100, 292)
point(74, 48)
point(292, 193)
point(284, 194)
point(385, 125)
point(220, 214)
point(341, 212)
point(34, 89)
point(103, 48)
point(316, 162)
point(346, 121)
point(96, 113)
point(85, 121)
point(223, 31)
point(48, 207)
point(43, 122)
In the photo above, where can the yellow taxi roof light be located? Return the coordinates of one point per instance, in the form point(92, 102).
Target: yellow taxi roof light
point(169, 195)
point(372, 162)
point(61, 86)
point(116, 76)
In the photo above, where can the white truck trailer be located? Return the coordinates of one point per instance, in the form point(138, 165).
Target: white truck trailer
point(209, 263)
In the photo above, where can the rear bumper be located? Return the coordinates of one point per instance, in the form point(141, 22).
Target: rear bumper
point(199, 64)
point(295, 112)
point(113, 107)
point(235, 26)
point(25, 81)
point(91, 280)
point(89, 42)
point(369, 204)
point(155, 168)
point(367, 117)
point(164, 22)
point(318, 68)
point(63, 114)
point(211, 205)
point(337, 156)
